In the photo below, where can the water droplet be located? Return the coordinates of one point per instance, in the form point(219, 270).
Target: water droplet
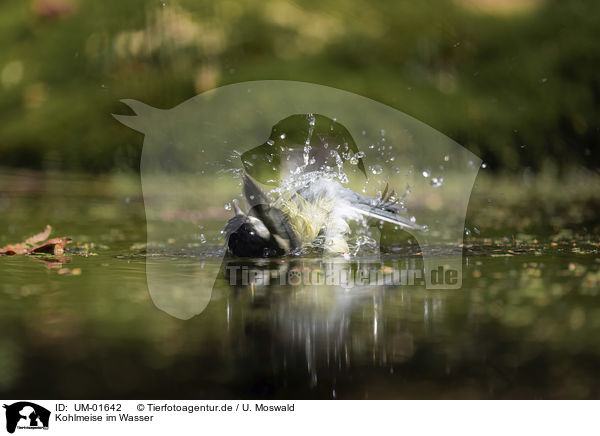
point(282, 136)
point(425, 173)
point(227, 206)
point(355, 158)
point(436, 182)
point(376, 169)
point(202, 238)
point(446, 158)
point(483, 165)
point(270, 142)
point(413, 219)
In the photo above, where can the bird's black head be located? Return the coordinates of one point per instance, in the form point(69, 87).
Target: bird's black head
point(251, 239)
point(248, 236)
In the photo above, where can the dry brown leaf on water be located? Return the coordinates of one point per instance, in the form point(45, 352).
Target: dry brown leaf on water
point(52, 246)
point(35, 239)
point(11, 250)
point(69, 272)
point(35, 244)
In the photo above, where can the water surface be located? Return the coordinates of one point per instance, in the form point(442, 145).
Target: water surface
point(525, 324)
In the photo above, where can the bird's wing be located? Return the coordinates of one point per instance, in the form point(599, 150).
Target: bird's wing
point(384, 215)
point(376, 208)
point(380, 209)
point(272, 217)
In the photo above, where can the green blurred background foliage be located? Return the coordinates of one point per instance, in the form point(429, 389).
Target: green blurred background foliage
point(514, 81)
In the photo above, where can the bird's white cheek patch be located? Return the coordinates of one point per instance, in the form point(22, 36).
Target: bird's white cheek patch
point(261, 229)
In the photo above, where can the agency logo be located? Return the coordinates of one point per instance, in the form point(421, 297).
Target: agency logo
point(25, 415)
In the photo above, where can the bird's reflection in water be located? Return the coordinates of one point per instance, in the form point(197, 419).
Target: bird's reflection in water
point(294, 323)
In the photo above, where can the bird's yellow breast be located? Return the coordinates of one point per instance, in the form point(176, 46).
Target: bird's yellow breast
point(307, 218)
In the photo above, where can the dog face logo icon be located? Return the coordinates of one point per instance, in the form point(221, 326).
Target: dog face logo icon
point(26, 415)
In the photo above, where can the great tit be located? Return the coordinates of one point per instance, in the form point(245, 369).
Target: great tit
point(304, 158)
point(315, 212)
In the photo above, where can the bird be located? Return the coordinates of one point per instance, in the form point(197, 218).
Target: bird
point(312, 210)
point(308, 158)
